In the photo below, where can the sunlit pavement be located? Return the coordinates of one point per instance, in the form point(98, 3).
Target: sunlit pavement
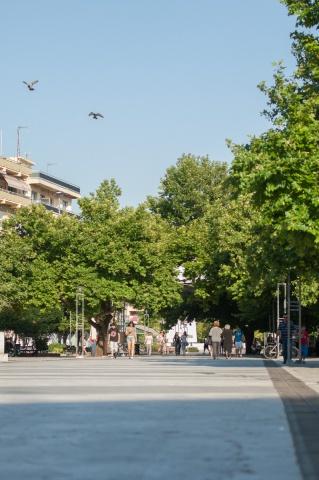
point(307, 372)
point(147, 418)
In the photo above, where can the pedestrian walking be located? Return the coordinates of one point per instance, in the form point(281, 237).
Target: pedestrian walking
point(84, 345)
point(215, 334)
point(113, 338)
point(131, 338)
point(177, 343)
point(148, 343)
point(304, 344)
point(184, 343)
point(161, 339)
point(238, 338)
point(227, 337)
point(206, 345)
point(166, 346)
point(92, 344)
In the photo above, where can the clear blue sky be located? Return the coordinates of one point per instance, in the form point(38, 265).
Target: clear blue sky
point(169, 76)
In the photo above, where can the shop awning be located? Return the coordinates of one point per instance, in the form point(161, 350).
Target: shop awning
point(17, 183)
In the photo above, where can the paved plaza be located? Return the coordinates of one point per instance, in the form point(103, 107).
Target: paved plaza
point(147, 418)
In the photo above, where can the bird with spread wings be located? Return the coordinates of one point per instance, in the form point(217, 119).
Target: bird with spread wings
point(95, 115)
point(30, 85)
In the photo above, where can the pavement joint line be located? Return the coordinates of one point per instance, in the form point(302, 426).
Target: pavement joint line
point(301, 405)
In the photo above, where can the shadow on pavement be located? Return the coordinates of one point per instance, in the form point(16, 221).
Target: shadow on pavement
point(221, 439)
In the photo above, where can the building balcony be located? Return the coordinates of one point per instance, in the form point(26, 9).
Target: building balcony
point(53, 208)
point(15, 167)
point(14, 200)
point(54, 184)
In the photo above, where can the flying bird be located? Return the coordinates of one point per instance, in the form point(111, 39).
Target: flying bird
point(30, 85)
point(95, 115)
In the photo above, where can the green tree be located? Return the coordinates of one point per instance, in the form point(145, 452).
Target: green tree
point(189, 193)
point(188, 188)
point(129, 254)
point(30, 265)
point(115, 254)
point(279, 169)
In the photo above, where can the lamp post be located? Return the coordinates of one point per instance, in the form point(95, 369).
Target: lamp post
point(70, 318)
point(49, 165)
point(18, 141)
point(79, 321)
point(299, 319)
point(288, 321)
point(284, 288)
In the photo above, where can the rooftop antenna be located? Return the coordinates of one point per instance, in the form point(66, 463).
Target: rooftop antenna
point(18, 141)
point(49, 165)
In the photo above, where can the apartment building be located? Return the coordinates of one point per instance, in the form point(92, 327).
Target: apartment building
point(21, 186)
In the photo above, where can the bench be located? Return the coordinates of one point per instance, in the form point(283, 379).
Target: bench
point(27, 350)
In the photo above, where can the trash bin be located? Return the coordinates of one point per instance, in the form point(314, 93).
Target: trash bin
point(137, 349)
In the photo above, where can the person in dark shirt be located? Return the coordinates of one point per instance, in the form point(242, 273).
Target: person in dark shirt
point(206, 345)
point(113, 338)
point(177, 344)
point(227, 337)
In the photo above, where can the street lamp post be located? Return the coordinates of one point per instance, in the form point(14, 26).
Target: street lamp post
point(70, 318)
point(284, 287)
point(18, 141)
point(288, 321)
point(299, 318)
point(79, 321)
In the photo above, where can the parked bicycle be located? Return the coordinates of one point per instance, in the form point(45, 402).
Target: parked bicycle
point(271, 351)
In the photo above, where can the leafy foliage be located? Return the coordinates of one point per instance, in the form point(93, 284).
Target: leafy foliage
point(188, 188)
point(114, 254)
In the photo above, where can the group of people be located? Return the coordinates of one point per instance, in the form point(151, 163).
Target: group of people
point(113, 338)
point(218, 341)
point(131, 340)
point(223, 340)
point(180, 343)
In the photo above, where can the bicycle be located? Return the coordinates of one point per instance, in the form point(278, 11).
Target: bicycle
point(271, 351)
point(122, 350)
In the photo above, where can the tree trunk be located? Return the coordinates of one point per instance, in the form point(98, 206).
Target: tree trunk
point(102, 321)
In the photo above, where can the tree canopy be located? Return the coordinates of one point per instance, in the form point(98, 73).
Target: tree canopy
point(115, 254)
